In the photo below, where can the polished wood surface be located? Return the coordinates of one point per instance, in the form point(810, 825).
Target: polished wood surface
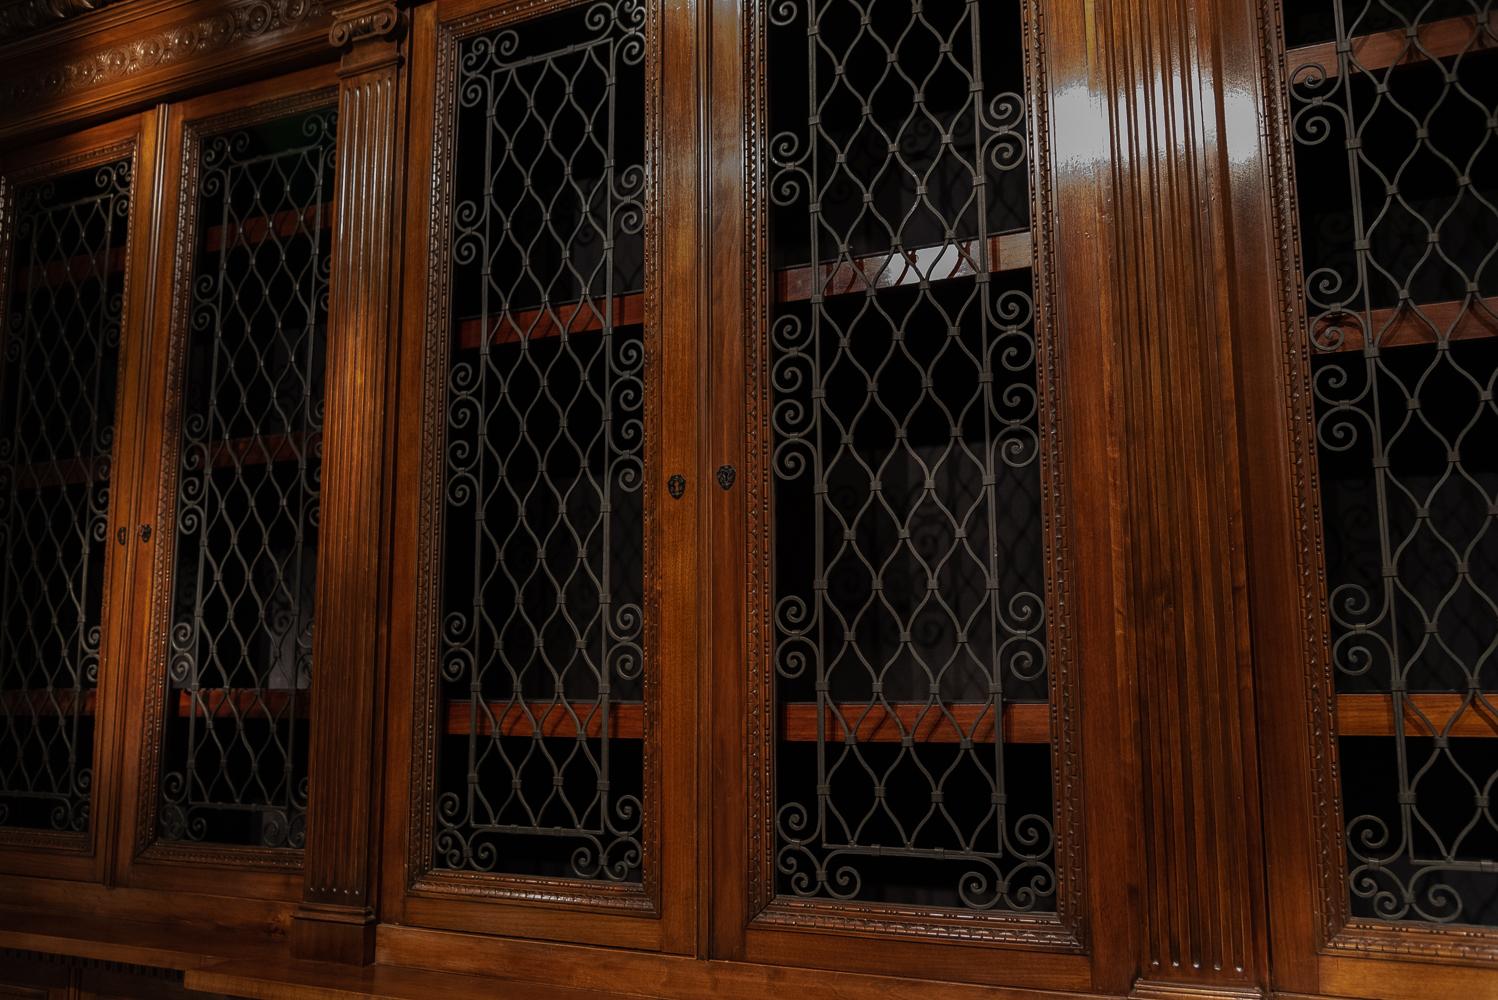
point(90, 855)
point(336, 919)
point(1195, 785)
point(296, 980)
point(1185, 612)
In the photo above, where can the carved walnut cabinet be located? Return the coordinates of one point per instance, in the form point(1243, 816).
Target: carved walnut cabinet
point(684, 498)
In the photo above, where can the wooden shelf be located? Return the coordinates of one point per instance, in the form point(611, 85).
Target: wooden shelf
point(540, 323)
point(63, 472)
point(1373, 715)
point(1382, 49)
point(1404, 326)
point(224, 703)
point(561, 719)
point(1006, 252)
point(265, 449)
point(217, 703)
point(258, 228)
point(75, 269)
point(251, 231)
point(39, 701)
point(1023, 722)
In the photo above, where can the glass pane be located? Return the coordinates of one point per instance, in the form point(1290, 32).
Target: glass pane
point(913, 752)
point(234, 764)
point(542, 575)
point(57, 403)
point(1397, 174)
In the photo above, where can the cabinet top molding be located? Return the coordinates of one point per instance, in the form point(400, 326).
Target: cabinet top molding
point(19, 18)
point(127, 54)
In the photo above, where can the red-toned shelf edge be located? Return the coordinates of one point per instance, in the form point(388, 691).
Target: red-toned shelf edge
point(262, 450)
point(1023, 722)
point(63, 472)
point(216, 702)
point(74, 269)
point(1373, 715)
point(1382, 49)
point(39, 701)
point(257, 228)
point(1419, 323)
point(1006, 252)
point(223, 703)
point(249, 232)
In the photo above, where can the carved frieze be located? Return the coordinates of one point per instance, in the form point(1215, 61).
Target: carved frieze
point(198, 36)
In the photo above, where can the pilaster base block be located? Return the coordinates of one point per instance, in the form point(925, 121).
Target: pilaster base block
point(327, 933)
point(1156, 989)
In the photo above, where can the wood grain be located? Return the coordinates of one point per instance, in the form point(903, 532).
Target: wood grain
point(1185, 617)
point(1420, 323)
point(335, 921)
point(1425, 715)
point(1397, 47)
point(1022, 723)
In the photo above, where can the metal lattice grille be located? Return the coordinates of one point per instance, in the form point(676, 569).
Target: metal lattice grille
point(57, 400)
point(542, 658)
point(249, 460)
point(1394, 108)
point(909, 547)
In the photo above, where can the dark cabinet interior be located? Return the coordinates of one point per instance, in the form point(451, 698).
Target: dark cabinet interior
point(66, 240)
point(1395, 173)
point(542, 660)
point(912, 754)
point(247, 473)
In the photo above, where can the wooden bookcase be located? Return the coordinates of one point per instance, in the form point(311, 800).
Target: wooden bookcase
point(668, 498)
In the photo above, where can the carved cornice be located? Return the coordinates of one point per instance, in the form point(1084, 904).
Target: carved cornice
point(19, 18)
point(204, 35)
point(372, 19)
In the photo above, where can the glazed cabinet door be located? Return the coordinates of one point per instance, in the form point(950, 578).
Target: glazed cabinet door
point(74, 282)
point(896, 643)
point(1380, 690)
point(230, 503)
point(542, 630)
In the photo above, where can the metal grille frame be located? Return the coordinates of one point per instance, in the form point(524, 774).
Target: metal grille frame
point(1338, 931)
point(423, 876)
point(1063, 930)
point(149, 845)
point(82, 842)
